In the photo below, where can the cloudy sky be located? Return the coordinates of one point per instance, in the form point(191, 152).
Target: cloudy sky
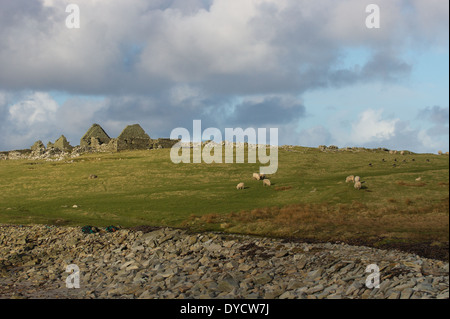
point(310, 68)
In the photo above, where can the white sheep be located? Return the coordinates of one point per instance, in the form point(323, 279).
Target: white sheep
point(357, 179)
point(256, 176)
point(240, 186)
point(266, 182)
point(350, 178)
point(358, 185)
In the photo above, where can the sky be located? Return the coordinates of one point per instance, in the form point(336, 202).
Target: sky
point(312, 69)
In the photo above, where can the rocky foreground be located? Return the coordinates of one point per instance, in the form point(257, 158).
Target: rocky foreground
point(170, 263)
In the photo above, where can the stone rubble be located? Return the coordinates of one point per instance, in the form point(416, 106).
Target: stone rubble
point(171, 263)
point(49, 154)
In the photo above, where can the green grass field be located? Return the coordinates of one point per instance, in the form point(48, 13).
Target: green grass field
point(308, 197)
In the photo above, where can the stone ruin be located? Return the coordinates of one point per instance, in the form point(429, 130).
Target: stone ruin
point(163, 143)
point(95, 137)
point(56, 151)
point(333, 148)
point(37, 146)
point(61, 144)
point(133, 137)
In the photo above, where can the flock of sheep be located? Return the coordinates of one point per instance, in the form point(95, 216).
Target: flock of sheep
point(356, 180)
point(258, 177)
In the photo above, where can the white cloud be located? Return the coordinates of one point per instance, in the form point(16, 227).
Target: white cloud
point(38, 107)
point(371, 127)
point(431, 143)
point(186, 94)
point(227, 45)
point(37, 116)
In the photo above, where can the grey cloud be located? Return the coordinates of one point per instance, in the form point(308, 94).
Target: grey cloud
point(314, 137)
point(158, 115)
point(161, 115)
point(439, 117)
point(163, 63)
point(436, 114)
point(386, 66)
point(272, 49)
point(273, 111)
point(190, 7)
point(14, 12)
point(383, 66)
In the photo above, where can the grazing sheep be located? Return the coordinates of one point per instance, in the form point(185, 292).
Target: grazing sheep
point(402, 153)
point(418, 179)
point(358, 185)
point(357, 179)
point(440, 153)
point(262, 176)
point(256, 176)
point(93, 176)
point(350, 178)
point(240, 186)
point(266, 182)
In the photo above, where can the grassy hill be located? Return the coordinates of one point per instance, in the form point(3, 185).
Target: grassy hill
point(309, 198)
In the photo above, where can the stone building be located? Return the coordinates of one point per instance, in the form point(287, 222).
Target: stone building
point(163, 143)
point(37, 146)
point(133, 137)
point(95, 136)
point(61, 144)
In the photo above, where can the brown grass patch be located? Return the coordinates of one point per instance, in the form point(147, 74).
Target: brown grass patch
point(283, 188)
point(402, 183)
point(341, 222)
point(211, 218)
